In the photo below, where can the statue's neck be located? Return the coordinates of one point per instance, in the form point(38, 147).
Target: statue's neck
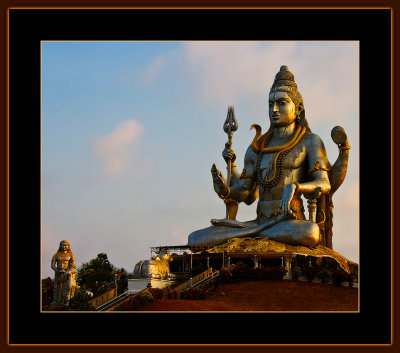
point(284, 131)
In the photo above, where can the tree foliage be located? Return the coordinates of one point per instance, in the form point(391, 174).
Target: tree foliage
point(100, 263)
point(102, 288)
point(80, 302)
point(96, 271)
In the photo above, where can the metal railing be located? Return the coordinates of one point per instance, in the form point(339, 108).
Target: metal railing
point(114, 301)
point(119, 300)
point(104, 298)
point(212, 275)
point(196, 280)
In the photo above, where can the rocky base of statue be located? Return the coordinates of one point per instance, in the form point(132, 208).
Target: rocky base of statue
point(262, 247)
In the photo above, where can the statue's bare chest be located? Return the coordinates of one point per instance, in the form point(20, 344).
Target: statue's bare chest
point(290, 161)
point(63, 258)
point(274, 170)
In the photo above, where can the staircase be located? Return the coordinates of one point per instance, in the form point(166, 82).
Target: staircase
point(197, 280)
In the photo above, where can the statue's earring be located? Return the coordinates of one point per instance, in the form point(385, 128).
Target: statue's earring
point(299, 111)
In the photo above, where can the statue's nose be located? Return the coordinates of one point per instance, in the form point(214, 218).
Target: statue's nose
point(275, 109)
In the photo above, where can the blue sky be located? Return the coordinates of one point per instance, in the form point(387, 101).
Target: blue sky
point(130, 131)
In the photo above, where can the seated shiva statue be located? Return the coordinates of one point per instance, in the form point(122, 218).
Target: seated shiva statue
point(280, 165)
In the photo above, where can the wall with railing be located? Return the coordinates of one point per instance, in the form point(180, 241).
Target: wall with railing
point(194, 280)
point(104, 298)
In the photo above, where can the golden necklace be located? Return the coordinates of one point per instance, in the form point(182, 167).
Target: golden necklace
point(260, 146)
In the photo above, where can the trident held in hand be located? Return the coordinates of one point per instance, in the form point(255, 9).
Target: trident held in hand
point(230, 126)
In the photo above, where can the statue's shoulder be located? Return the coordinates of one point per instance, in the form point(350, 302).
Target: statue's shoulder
point(312, 140)
point(250, 155)
point(315, 150)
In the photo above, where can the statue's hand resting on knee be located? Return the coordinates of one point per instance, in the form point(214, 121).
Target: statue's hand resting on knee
point(287, 197)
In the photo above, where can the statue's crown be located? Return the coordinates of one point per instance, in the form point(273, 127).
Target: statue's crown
point(284, 78)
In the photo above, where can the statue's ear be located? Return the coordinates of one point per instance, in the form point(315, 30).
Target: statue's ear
point(300, 109)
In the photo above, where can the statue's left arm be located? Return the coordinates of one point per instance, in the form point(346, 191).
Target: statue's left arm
point(71, 264)
point(317, 166)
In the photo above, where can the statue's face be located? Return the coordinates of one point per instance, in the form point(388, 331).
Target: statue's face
point(282, 110)
point(64, 246)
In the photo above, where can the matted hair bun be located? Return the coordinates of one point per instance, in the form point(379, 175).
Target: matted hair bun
point(284, 78)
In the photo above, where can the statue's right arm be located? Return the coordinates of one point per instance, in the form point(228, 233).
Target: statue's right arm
point(245, 184)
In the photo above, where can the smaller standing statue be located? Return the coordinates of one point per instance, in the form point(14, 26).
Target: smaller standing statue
point(63, 264)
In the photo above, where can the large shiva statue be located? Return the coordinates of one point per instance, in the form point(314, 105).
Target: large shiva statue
point(279, 166)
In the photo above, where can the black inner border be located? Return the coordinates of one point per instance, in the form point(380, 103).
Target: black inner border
point(28, 27)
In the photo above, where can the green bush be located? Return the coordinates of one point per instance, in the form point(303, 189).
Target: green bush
point(173, 294)
point(225, 274)
point(274, 273)
point(295, 273)
point(79, 302)
point(92, 278)
point(146, 297)
point(102, 288)
point(239, 271)
point(135, 303)
point(242, 271)
point(122, 282)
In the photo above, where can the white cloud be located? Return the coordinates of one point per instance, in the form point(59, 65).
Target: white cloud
point(228, 72)
point(116, 149)
point(225, 72)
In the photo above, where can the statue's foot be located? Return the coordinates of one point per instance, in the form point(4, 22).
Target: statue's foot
point(232, 223)
point(220, 234)
point(294, 232)
point(210, 236)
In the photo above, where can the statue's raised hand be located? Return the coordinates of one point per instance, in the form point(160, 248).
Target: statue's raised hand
point(228, 153)
point(219, 181)
point(286, 198)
